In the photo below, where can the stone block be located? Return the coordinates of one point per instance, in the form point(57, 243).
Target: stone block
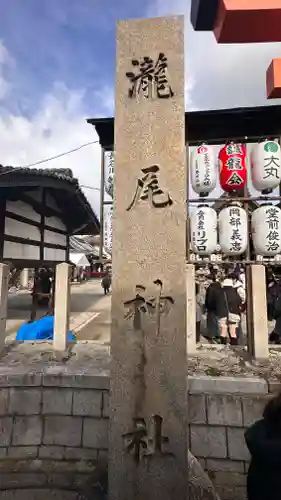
point(27, 431)
point(3, 452)
point(60, 479)
point(95, 433)
point(224, 410)
point(228, 478)
point(274, 386)
point(22, 480)
point(227, 385)
point(25, 401)
point(232, 493)
point(55, 452)
point(4, 398)
point(80, 381)
point(57, 401)
point(253, 409)
point(214, 464)
point(20, 379)
point(105, 404)
point(63, 431)
point(81, 454)
point(237, 449)
point(197, 409)
point(207, 441)
point(22, 452)
point(87, 403)
point(6, 427)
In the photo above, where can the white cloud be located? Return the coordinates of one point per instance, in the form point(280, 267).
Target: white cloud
point(57, 126)
point(221, 76)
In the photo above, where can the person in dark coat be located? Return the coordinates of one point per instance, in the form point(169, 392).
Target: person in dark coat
point(212, 333)
point(106, 283)
point(263, 440)
point(228, 307)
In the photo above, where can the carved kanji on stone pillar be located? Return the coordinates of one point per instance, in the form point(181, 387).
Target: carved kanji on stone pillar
point(243, 21)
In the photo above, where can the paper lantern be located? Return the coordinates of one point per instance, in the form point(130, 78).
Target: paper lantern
point(266, 230)
point(233, 170)
point(109, 173)
point(203, 170)
point(233, 230)
point(203, 230)
point(266, 166)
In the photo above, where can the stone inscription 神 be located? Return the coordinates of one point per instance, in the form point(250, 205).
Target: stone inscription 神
point(143, 445)
point(158, 305)
point(150, 78)
point(148, 189)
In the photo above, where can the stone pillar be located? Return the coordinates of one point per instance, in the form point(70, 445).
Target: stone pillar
point(62, 305)
point(258, 334)
point(190, 308)
point(148, 338)
point(4, 288)
point(24, 278)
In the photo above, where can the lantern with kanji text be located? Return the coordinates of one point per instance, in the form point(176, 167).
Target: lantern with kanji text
point(203, 170)
point(233, 230)
point(266, 230)
point(232, 166)
point(203, 230)
point(266, 166)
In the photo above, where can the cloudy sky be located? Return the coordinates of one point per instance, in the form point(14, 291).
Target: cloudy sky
point(57, 63)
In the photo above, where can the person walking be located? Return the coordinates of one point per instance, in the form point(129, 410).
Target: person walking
point(106, 283)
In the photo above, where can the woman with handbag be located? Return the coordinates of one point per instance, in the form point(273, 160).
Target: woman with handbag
point(229, 306)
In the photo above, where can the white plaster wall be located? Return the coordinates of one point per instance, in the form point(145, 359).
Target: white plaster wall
point(23, 209)
point(19, 251)
point(55, 222)
point(54, 238)
point(54, 254)
point(22, 230)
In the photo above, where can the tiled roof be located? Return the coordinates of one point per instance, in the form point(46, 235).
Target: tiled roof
point(59, 174)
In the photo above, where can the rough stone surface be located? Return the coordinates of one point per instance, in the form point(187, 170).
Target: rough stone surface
point(34, 494)
point(87, 403)
point(208, 441)
point(95, 433)
point(6, 427)
point(27, 431)
point(57, 401)
point(150, 245)
point(65, 431)
point(25, 401)
point(224, 410)
point(236, 444)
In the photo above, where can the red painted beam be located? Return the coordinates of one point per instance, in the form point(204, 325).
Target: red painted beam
point(273, 79)
point(248, 21)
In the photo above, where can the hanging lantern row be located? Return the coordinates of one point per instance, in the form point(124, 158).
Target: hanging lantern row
point(265, 167)
point(230, 230)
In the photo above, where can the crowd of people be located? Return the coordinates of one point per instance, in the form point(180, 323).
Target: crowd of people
point(224, 302)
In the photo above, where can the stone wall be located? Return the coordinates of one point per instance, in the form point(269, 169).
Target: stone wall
point(53, 429)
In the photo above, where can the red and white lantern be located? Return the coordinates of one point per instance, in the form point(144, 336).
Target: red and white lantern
point(203, 170)
point(233, 169)
point(266, 166)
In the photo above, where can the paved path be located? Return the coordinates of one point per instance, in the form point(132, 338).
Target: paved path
point(89, 312)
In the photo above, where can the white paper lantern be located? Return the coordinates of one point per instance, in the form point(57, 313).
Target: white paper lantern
point(203, 230)
point(266, 230)
point(266, 166)
point(203, 170)
point(109, 173)
point(233, 230)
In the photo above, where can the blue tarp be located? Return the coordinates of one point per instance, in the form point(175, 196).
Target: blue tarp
point(42, 329)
